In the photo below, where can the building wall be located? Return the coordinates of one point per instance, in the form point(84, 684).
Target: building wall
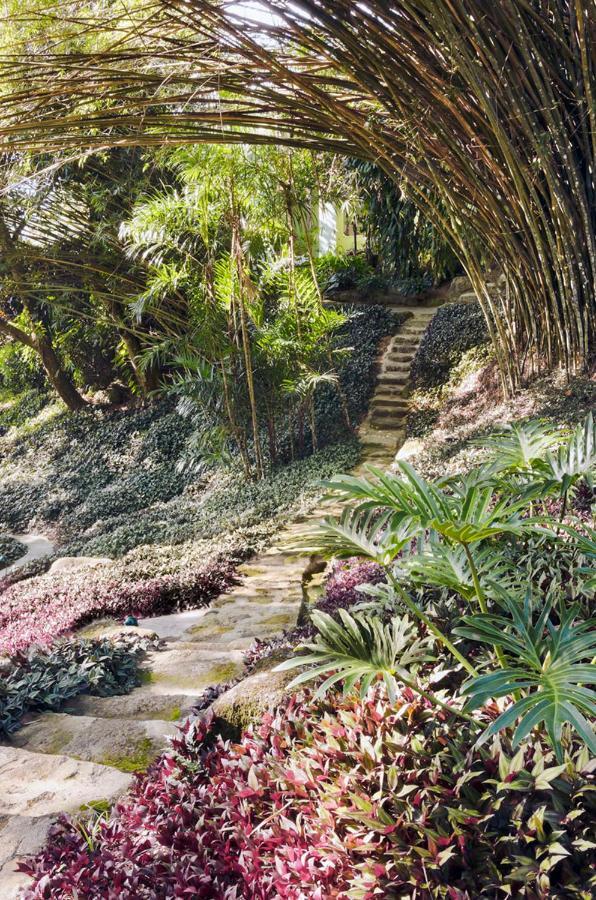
point(336, 234)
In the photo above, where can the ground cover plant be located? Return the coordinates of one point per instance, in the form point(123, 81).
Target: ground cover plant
point(10, 550)
point(39, 681)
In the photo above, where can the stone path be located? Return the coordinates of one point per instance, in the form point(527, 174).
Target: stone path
point(86, 753)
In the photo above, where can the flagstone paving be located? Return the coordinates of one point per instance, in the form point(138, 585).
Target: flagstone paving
point(62, 761)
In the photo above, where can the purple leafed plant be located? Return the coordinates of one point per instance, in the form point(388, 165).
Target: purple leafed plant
point(331, 800)
point(41, 609)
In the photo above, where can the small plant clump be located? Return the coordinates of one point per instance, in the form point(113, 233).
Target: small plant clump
point(40, 680)
point(10, 550)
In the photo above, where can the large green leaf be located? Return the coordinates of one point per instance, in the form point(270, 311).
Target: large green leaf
point(359, 649)
point(548, 670)
point(446, 566)
point(576, 458)
point(473, 513)
point(360, 532)
point(519, 447)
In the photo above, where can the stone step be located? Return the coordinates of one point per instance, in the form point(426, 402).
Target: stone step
point(390, 401)
point(388, 416)
point(188, 668)
point(391, 382)
point(40, 784)
point(399, 361)
point(125, 744)
point(139, 704)
point(387, 426)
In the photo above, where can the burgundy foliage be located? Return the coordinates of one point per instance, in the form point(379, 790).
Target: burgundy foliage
point(39, 610)
point(341, 590)
point(324, 801)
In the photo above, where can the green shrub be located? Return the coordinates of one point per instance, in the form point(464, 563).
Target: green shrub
point(38, 680)
point(10, 550)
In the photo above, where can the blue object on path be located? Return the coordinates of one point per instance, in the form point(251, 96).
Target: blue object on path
point(130, 620)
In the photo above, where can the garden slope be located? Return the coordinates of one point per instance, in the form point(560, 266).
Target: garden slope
point(201, 647)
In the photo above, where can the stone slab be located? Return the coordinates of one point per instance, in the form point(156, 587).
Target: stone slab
point(126, 744)
point(139, 704)
point(39, 784)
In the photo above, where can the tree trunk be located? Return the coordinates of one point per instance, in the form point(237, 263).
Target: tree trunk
point(57, 376)
point(38, 341)
point(50, 362)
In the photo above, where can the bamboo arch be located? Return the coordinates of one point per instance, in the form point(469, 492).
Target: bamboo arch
point(484, 110)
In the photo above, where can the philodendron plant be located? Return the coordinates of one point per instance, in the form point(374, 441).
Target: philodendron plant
point(532, 651)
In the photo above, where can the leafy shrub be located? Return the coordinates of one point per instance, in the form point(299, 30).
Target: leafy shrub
point(346, 576)
point(353, 798)
point(39, 681)
point(340, 272)
point(10, 550)
point(20, 369)
point(454, 329)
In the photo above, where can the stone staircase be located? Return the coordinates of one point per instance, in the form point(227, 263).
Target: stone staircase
point(384, 429)
point(85, 755)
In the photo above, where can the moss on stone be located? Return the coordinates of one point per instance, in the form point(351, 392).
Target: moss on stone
point(208, 629)
point(139, 758)
point(223, 672)
point(282, 619)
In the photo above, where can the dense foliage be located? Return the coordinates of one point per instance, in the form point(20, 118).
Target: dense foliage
point(406, 244)
point(454, 329)
point(10, 550)
point(38, 681)
point(348, 798)
point(520, 583)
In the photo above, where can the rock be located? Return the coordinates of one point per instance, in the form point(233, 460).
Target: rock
point(246, 702)
point(34, 789)
point(67, 564)
point(40, 784)
point(19, 836)
point(187, 668)
point(459, 285)
point(139, 704)
point(174, 625)
point(124, 744)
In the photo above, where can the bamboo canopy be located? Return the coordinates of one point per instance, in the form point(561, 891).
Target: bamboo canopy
point(483, 110)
